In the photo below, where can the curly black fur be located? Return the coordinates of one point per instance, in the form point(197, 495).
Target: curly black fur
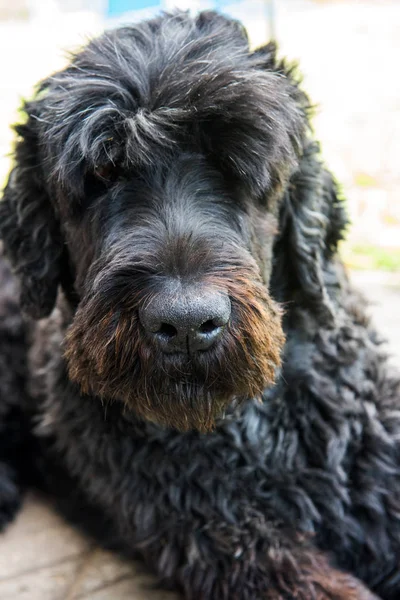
point(266, 467)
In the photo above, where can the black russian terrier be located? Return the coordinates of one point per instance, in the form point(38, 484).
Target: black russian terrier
point(193, 379)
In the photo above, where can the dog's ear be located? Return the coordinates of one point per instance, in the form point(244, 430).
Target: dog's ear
point(28, 225)
point(312, 221)
point(312, 215)
point(252, 121)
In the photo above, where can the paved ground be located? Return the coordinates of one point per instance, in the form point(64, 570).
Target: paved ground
point(383, 291)
point(42, 558)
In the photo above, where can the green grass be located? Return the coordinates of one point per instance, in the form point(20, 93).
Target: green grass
point(364, 180)
point(366, 257)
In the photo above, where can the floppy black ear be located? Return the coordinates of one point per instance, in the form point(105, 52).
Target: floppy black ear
point(312, 221)
point(28, 226)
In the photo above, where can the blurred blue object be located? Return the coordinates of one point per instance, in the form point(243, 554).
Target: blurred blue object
point(116, 8)
point(119, 7)
point(220, 4)
point(258, 16)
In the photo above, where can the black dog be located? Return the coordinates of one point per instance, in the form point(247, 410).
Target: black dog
point(168, 200)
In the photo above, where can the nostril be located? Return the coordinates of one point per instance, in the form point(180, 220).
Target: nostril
point(208, 327)
point(167, 331)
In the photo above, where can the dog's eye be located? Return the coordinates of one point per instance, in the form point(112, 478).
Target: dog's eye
point(108, 172)
point(99, 179)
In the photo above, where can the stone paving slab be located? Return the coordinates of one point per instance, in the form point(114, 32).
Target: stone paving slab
point(43, 558)
point(383, 293)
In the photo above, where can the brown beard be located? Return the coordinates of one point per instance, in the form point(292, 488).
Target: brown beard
point(109, 355)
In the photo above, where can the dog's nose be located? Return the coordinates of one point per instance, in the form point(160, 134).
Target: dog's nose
point(187, 320)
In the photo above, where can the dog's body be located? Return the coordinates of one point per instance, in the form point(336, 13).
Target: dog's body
point(165, 187)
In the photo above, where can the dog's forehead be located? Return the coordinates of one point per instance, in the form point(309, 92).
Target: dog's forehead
point(166, 72)
point(136, 94)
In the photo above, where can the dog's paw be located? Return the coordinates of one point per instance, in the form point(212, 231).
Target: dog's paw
point(10, 495)
point(341, 586)
point(358, 592)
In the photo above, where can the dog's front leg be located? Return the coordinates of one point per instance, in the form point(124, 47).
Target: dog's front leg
point(10, 495)
point(14, 423)
point(254, 561)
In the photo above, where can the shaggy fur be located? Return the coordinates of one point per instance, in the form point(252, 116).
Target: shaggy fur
point(166, 158)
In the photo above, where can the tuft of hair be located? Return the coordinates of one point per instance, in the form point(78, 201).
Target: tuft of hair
point(135, 94)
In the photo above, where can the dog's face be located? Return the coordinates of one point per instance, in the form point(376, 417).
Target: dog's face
point(161, 155)
point(175, 318)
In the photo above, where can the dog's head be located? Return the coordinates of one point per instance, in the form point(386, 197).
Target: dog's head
point(148, 183)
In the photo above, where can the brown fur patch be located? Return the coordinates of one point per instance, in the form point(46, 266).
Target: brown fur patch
point(109, 355)
point(310, 577)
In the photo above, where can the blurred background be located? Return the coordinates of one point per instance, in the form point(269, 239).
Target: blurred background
point(349, 52)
